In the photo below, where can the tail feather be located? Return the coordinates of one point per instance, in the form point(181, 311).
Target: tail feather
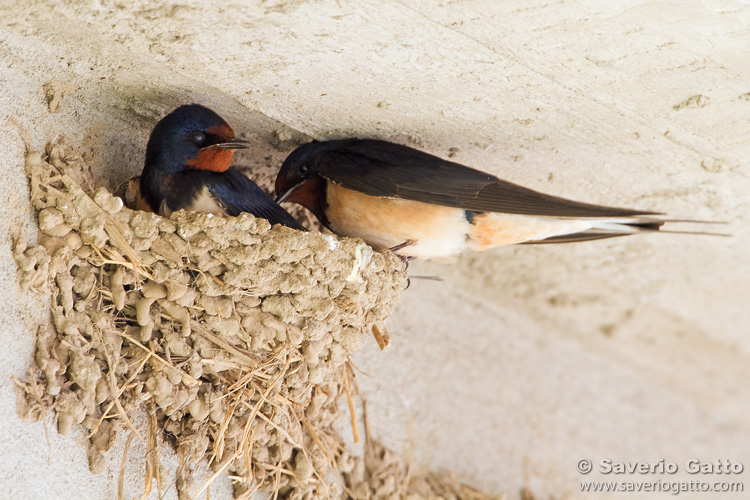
point(613, 229)
point(701, 233)
point(657, 226)
point(575, 238)
point(496, 229)
point(647, 225)
point(695, 221)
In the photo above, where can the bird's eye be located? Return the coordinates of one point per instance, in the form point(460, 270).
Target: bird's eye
point(304, 168)
point(197, 137)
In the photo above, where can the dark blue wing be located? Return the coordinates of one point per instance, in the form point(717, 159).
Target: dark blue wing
point(385, 169)
point(235, 193)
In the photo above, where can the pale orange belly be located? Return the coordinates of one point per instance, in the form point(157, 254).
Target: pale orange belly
point(437, 231)
point(495, 229)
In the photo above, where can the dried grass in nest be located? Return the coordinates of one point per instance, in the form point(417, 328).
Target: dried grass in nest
point(381, 474)
point(231, 336)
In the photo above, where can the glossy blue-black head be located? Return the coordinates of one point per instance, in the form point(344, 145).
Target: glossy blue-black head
point(297, 169)
point(191, 136)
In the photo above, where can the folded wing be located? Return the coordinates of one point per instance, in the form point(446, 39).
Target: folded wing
point(236, 194)
point(384, 169)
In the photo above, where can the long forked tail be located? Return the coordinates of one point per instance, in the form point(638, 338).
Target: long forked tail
point(611, 229)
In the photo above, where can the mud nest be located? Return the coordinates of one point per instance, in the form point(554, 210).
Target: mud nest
point(232, 336)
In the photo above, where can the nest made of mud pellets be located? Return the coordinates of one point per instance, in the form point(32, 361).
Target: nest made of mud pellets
point(233, 336)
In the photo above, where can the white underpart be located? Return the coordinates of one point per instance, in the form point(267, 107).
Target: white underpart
point(511, 228)
point(548, 227)
point(497, 229)
point(204, 202)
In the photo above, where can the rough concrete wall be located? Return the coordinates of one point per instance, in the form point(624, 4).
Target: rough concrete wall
point(523, 360)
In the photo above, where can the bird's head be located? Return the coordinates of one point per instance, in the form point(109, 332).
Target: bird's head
point(297, 180)
point(191, 137)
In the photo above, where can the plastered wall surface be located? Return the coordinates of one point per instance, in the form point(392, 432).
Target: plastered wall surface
point(522, 361)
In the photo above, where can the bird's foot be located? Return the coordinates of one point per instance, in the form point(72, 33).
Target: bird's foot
point(405, 244)
point(404, 258)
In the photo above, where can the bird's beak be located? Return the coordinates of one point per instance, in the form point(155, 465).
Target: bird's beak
point(231, 144)
point(283, 196)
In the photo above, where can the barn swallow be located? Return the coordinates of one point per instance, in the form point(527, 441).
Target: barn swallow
point(188, 160)
point(421, 206)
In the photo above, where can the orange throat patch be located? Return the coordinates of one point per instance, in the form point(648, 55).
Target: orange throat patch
point(213, 159)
